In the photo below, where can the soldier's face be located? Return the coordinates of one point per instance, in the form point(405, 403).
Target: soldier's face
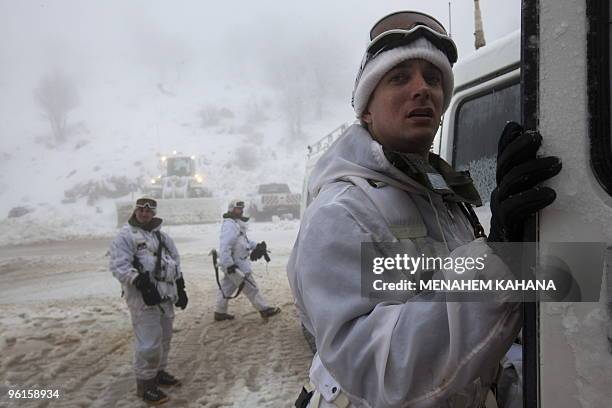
point(404, 111)
point(144, 214)
point(237, 211)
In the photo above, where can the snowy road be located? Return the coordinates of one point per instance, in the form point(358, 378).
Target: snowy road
point(63, 326)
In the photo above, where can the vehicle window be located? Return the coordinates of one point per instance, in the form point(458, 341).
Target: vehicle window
point(479, 122)
point(179, 167)
point(599, 49)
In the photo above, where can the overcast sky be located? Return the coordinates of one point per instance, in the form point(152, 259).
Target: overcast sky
point(220, 39)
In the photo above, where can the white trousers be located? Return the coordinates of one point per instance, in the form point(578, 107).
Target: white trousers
point(250, 290)
point(152, 334)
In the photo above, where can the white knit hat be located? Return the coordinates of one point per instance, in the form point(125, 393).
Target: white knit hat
point(376, 68)
point(235, 203)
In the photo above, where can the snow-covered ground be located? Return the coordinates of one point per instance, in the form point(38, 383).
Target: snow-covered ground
point(241, 87)
point(64, 326)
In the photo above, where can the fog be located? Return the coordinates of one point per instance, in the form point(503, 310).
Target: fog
point(221, 41)
point(149, 75)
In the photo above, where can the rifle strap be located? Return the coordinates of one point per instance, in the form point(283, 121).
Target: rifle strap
point(216, 266)
point(161, 247)
point(470, 214)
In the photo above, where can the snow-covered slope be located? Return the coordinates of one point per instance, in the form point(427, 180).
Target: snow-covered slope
point(239, 131)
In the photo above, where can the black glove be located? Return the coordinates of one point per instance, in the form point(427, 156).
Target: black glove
point(260, 250)
point(519, 171)
point(150, 295)
point(231, 269)
point(182, 295)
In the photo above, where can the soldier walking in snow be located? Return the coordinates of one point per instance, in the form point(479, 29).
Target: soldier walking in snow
point(146, 262)
point(236, 251)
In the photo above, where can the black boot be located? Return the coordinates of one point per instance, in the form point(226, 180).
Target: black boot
point(223, 316)
point(165, 379)
point(271, 311)
point(148, 391)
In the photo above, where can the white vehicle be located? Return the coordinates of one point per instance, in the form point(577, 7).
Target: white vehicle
point(560, 86)
point(564, 92)
point(179, 179)
point(566, 95)
point(487, 95)
point(273, 199)
point(181, 195)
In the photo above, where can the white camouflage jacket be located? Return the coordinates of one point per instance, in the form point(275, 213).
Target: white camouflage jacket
point(390, 353)
point(133, 240)
point(234, 245)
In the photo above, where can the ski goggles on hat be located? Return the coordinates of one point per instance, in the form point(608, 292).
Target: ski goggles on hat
point(146, 203)
point(238, 204)
point(401, 27)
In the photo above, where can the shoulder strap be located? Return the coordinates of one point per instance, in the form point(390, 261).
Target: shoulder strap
point(160, 239)
point(470, 214)
point(160, 248)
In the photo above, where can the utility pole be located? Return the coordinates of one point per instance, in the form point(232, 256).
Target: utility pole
point(479, 39)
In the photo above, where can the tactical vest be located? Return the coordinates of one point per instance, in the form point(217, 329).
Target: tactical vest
point(164, 278)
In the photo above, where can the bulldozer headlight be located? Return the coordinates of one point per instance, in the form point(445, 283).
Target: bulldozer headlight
point(199, 178)
point(153, 181)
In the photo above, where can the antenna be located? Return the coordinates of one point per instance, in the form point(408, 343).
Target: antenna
point(450, 21)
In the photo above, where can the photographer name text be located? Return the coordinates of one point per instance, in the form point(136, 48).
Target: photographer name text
point(471, 285)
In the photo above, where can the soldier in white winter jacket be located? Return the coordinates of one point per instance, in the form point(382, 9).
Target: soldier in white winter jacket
point(379, 183)
point(235, 250)
point(147, 264)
